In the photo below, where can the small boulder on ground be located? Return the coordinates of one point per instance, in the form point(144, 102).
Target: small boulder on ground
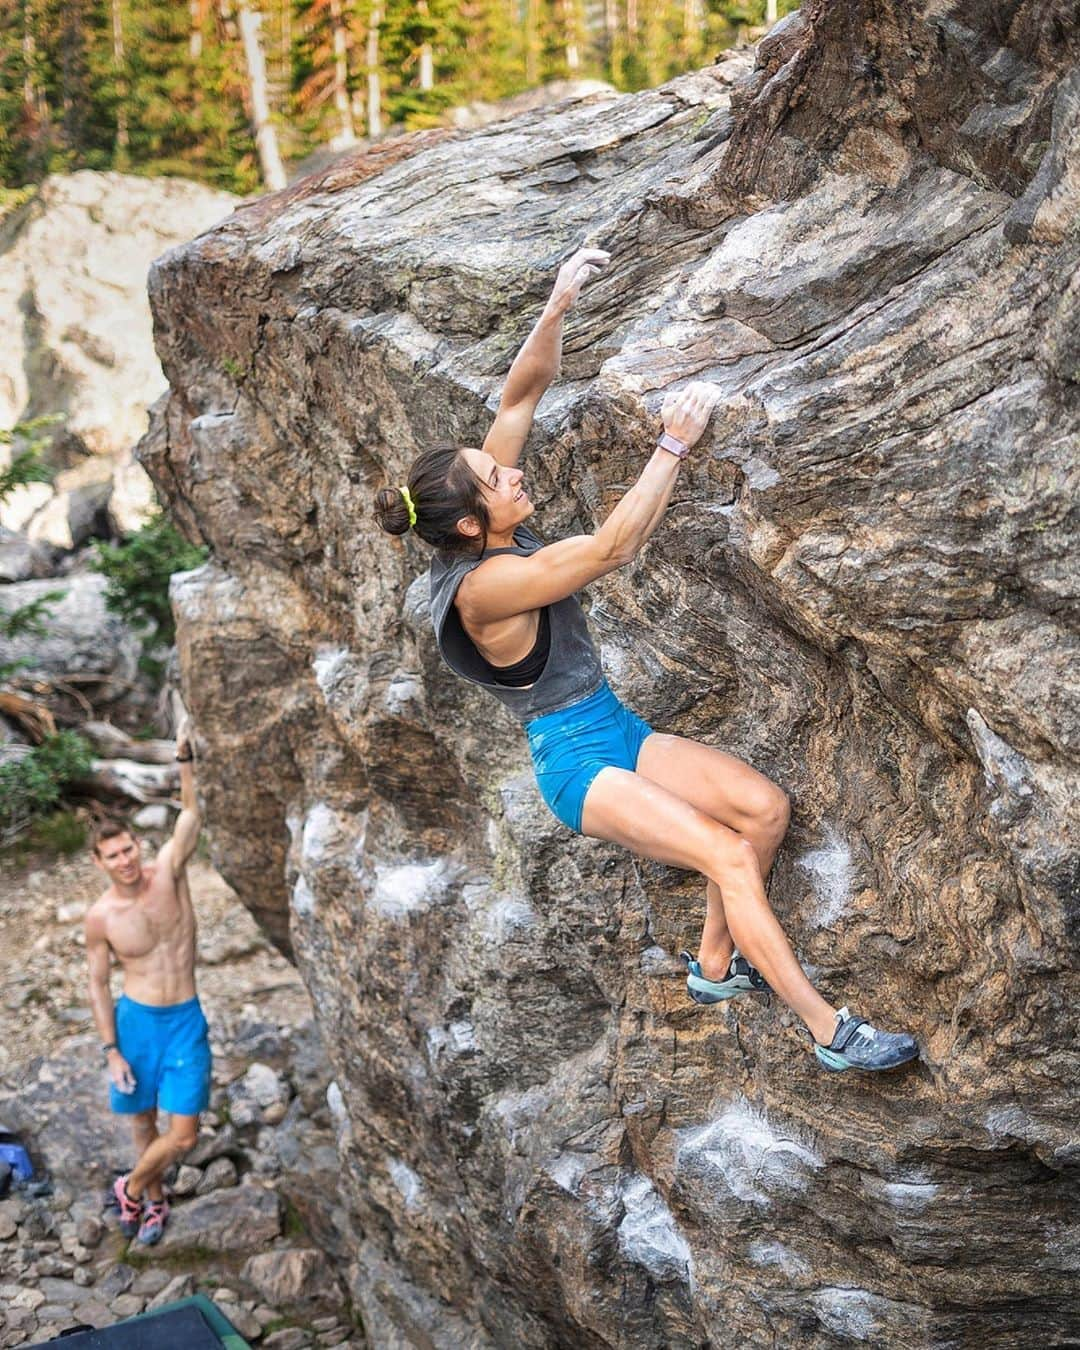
point(219, 1176)
point(294, 1276)
point(243, 1219)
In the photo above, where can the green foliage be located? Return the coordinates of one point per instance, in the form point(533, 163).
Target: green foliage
point(293, 1225)
point(28, 440)
point(32, 783)
point(161, 86)
point(61, 833)
point(25, 467)
point(138, 572)
point(12, 198)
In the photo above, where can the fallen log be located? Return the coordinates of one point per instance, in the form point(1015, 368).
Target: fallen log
point(31, 717)
point(112, 743)
point(126, 778)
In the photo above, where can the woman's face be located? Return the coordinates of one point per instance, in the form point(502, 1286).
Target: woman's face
point(507, 501)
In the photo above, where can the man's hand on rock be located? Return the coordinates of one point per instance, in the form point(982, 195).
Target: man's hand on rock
point(120, 1072)
point(183, 738)
point(686, 414)
point(574, 273)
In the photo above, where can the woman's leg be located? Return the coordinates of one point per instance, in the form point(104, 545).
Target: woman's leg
point(723, 787)
point(629, 809)
point(734, 794)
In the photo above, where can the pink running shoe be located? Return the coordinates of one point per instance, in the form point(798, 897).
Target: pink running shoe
point(130, 1210)
point(153, 1225)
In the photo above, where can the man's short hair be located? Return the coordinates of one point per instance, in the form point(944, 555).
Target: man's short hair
point(109, 828)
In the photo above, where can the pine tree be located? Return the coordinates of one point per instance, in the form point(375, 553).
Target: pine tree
point(423, 43)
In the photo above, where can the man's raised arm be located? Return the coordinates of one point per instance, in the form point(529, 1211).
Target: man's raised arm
point(189, 822)
point(537, 363)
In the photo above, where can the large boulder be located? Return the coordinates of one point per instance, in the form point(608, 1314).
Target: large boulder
point(81, 638)
point(21, 559)
point(863, 586)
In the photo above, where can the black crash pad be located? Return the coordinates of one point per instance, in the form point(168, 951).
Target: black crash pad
point(179, 1327)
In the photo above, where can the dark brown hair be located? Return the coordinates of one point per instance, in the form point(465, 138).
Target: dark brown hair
point(443, 489)
point(109, 827)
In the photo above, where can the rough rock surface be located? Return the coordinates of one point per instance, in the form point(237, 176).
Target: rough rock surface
point(77, 330)
point(82, 640)
point(864, 586)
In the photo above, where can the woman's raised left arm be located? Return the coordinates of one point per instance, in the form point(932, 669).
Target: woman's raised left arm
point(537, 363)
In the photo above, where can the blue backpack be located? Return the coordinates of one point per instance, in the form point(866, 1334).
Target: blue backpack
point(15, 1155)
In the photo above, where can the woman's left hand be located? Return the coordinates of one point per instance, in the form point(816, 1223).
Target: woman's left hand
point(574, 273)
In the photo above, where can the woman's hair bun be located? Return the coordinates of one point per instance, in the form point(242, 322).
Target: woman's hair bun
point(391, 511)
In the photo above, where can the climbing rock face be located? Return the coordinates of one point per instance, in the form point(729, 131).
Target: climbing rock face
point(868, 239)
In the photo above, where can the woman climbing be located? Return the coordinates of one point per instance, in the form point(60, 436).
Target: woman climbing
point(506, 617)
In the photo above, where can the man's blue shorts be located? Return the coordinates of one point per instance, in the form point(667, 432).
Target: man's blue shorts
point(569, 748)
point(169, 1053)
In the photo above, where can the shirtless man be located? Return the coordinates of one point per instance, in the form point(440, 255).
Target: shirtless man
point(155, 1039)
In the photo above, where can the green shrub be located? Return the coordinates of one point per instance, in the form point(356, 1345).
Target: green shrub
point(28, 440)
point(32, 784)
point(138, 572)
point(62, 832)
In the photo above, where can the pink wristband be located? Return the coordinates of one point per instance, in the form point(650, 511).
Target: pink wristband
point(672, 443)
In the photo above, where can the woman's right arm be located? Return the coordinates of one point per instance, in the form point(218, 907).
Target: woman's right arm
point(508, 584)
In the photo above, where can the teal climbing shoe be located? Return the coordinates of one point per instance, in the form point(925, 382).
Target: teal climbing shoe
point(742, 978)
point(858, 1045)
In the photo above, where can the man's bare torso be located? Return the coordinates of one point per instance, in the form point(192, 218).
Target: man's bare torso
point(152, 935)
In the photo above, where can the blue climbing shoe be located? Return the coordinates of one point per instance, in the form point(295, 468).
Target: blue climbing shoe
point(858, 1045)
point(742, 978)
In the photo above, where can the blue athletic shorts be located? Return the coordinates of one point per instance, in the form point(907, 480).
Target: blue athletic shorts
point(569, 748)
point(169, 1054)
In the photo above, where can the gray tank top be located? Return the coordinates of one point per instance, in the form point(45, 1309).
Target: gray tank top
point(573, 668)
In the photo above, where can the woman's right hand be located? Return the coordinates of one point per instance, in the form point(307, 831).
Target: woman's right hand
point(686, 414)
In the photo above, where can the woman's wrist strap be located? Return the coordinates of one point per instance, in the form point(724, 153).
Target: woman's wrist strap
point(672, 444)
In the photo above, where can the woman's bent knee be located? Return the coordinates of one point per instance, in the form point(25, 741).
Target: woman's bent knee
point(735, 858)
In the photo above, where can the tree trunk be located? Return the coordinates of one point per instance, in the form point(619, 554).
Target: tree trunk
point(347, 134)
point(770, 12)
point(532, 42)
point(631, 23)
point(127, 778)
point(195, 32)
point(121, 84)
point(265, 135)
point(112, 743)
point(28, 54)
point(691, 27)
point(33, 96)
point(611, 36)
point(427, 58)
point(374, 89)
point(573, 55)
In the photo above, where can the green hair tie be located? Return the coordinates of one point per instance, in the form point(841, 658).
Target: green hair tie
point(409, 503)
